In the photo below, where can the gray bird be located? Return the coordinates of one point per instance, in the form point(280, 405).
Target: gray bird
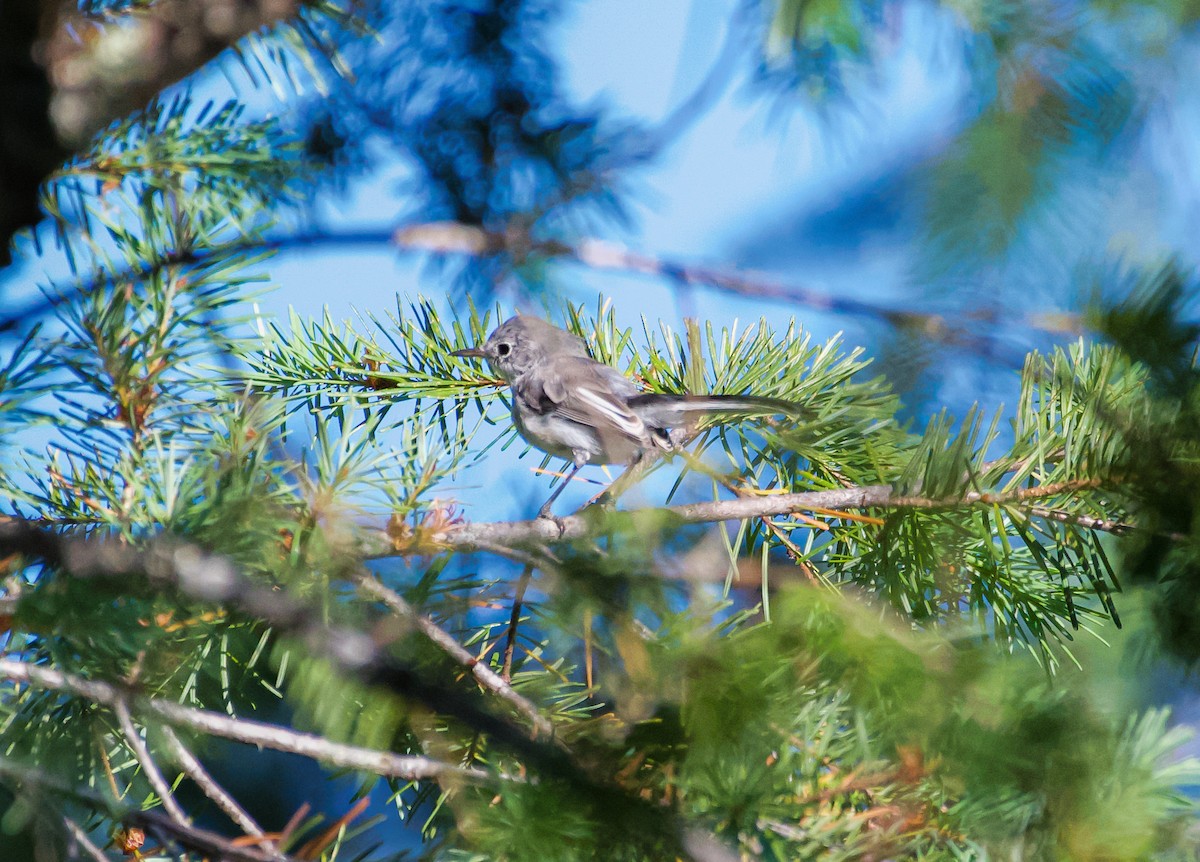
point(569, 405)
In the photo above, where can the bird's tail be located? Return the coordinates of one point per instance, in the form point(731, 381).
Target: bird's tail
point(669, 411)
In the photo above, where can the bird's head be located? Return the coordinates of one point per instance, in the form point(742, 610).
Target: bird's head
point(522, 343)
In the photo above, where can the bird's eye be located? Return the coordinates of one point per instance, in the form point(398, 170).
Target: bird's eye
point(503, 349)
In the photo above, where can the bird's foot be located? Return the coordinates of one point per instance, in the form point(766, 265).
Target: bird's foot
point(546, 514)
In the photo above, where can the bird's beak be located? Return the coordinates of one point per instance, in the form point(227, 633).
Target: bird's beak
point(472, 352)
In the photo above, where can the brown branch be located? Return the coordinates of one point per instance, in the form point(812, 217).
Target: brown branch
point(514, 621)
point(1104, 525)
point(471, 536)
point(152, 47)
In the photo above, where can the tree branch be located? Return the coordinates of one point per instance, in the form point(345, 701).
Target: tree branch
point(81, 838)
point(475, 536)
point(247, 731)
point(213, 845)
point(473, 241)
point(483, 674)
point(149, 767)
point(453, 237)
point(214, 791)
point(153, 47)
point(179, 565)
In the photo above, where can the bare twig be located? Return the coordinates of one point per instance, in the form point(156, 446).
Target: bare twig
point(385, 763)
point(149, 767)
point(587, 524)
point(1104, 525)
point(483, 674)
point(214, 791)
point(212, 845)
point(453, 237)
point(81, 838)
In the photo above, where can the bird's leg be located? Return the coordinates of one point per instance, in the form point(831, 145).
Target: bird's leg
point(639, 467)
point(636, 469)
point(544, 512)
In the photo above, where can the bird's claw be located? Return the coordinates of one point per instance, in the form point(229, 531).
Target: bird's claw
point(545, 513)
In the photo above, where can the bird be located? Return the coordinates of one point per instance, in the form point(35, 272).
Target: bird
point(568, 405)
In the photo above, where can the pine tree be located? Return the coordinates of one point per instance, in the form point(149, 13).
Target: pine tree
point(833, 637)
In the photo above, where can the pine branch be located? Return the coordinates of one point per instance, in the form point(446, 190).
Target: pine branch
point(178, 565)
point(209, 577)
point(81, 838)
point(149, 767)
point(456, 238)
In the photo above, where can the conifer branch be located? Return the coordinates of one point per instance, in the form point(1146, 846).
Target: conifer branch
point(209, 577)
point(474, 241)
point(454, 237)
point(179, 565)
point(514, 621)
point(81, 838)
point(1104, 525)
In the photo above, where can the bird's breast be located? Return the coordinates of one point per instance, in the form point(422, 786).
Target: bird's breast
point(555, 435)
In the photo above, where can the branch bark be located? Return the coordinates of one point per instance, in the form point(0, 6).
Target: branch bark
point(473, 241)
point(124, 60)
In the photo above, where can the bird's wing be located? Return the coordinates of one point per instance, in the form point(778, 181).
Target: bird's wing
point(587, 392)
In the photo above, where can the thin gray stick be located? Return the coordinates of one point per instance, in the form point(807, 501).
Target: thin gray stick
point(194, 770)
point(149, 767)
point(385, 763)
point(483, 674)
point(81, 838)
